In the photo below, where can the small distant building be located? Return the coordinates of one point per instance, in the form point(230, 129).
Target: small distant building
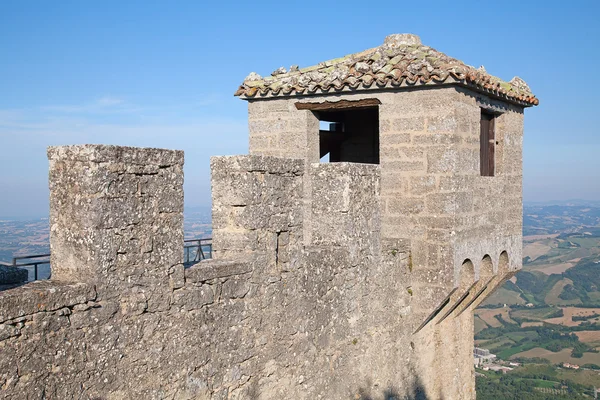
point(482, 356)
point(481, 352)
point(529, 305)
point(500, 368)
point(570, 366)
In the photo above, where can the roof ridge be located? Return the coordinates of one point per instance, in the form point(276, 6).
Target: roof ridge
point(400, 61)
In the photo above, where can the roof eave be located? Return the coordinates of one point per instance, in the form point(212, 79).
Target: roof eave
point(387, 87)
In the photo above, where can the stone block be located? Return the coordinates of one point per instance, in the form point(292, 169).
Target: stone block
point(468, 161)
point(393, 138)
point(267, 127)
point(260, 143)
point(420, 185)
point(412, 152)
point(437, 221)
point(393, 183)
point(212, 269)
point(449, 203)
point(442, 160)
point(400, 166)
point(405, 206)
point(446, 123)
point(235, 288)
point(411, 124)
point(42, 296)
point(457, 183)
point(193, 298)
point(400, 227)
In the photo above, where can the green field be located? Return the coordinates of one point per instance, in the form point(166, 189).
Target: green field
point(504, 296)
point(553, 295)
point(545, 384)
point(479, 324)
point(496, 346)
point(561, 279)
point(518, 336)
point(506, 354)
point(537, 383)
point(534, 314)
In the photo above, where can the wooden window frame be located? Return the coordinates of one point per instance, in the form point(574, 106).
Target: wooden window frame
point(487, 145)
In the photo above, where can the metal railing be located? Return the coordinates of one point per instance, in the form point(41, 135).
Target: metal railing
point(195, 250)
point(17, 262)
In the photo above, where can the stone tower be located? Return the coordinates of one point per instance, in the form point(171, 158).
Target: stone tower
point(354, 278)
point(414, 220)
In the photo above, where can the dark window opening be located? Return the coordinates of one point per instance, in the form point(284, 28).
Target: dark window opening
point(487, 145)
point(350, 135)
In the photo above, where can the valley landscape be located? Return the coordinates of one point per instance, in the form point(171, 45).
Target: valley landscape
point(543, 325)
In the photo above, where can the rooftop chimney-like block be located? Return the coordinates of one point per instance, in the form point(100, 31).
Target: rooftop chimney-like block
point(402, 39)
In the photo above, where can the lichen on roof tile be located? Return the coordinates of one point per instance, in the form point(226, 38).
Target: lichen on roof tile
point(401, 59)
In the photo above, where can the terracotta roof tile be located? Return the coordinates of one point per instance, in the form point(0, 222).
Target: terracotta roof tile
point(401, 61)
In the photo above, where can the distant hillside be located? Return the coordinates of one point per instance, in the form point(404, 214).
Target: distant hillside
point(564, 203)
point(578, 286)
point(558, 268)
point(538, 219)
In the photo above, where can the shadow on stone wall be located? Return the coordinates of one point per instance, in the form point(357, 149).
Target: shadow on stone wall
point(11, 277)
point(416, 393)
point(11, 285)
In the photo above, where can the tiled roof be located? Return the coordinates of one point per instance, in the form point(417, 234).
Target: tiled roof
point(401, 61)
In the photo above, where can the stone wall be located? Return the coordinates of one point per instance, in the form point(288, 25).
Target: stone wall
point(331, 313)
point(277, 128)
point(461, 231)
point(331, 281)
point(124, 320)
point(121, 319)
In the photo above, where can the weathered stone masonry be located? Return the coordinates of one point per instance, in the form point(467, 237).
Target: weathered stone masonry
point(121, 318)
point(339, 280)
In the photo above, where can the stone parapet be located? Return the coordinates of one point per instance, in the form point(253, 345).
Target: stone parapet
point(208, 270)
point(42, 296)
point(257, 209)
point(116, 215)
point(345, 209)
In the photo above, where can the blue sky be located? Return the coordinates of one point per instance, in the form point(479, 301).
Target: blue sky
point(162, 74)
